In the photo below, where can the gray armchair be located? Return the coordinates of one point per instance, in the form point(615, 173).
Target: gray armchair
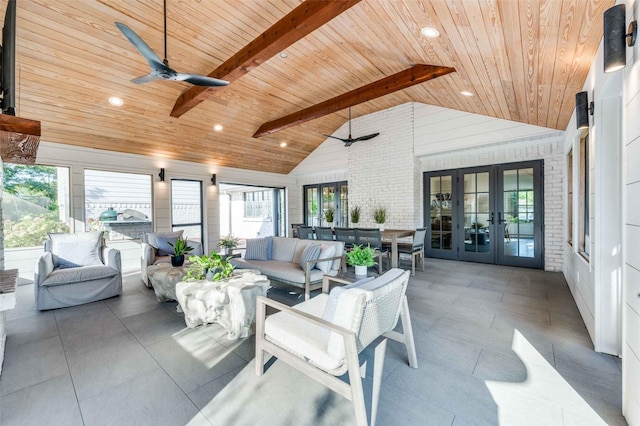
point(76, 269)
point(155, 250)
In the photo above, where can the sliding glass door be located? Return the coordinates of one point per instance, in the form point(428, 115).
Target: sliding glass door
point(320, 198)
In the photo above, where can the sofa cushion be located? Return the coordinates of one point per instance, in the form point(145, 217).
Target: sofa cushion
point(257, 249)
point(151, 237)
point(77, 275)
point(284, 249)
point(163, 246)
point(311, 252)
point(74, 250)
point(326, 251)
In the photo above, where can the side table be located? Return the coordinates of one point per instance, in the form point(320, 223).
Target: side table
point(163, 278)
point(8, 279)
point(230, 303)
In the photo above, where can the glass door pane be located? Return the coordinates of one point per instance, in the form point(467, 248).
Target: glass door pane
point(440, 196)
point(328, 202)
point(520, 213)
point(476, 212)
point(342, 219)
point(311, 207)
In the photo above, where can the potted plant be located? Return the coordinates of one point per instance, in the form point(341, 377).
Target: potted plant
point(329, 215)
point(228, 243)
point(213, 267)
point(361, 257)
point(380, 217)
point(180, 248)
point(355, 215)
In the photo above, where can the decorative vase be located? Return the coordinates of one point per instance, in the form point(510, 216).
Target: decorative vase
point(361, 270)
point(177, 260)
point(228, 251)
point(210, 274)
point(381, 226)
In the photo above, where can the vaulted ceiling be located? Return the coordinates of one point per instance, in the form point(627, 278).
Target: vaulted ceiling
point(523, 60)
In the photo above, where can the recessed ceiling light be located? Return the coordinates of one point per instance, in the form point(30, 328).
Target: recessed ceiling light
point(283, 55)
point(116, 101)
point(430, 32)
point(466, 93)
point(218, 127)
point(283, 144)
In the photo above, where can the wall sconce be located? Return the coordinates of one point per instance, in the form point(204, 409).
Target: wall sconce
point(161, 174)
point(213, 179)
point(584, 109)
point(615, 47)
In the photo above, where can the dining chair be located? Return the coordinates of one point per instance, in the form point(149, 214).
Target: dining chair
point(372, 238)
point(305, 232)
point(294, 229)
point(324, 233)
point(323, 336)
point(348, 237)
point(415, 249)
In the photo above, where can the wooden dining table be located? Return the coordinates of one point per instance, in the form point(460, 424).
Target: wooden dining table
point(392, 235)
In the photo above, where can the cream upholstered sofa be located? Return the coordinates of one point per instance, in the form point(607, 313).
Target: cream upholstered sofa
point(300, 263)
point(156, 249)
point(76, 269)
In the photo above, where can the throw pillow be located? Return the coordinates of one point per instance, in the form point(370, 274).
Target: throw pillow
point(326, 252)
point(311, 252)
point(164, 249)
point(332, 302)
point(74, 250)
point(257, 249)
point(151, 237)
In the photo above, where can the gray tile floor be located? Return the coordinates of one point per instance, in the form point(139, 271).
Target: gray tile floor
point(496, 345)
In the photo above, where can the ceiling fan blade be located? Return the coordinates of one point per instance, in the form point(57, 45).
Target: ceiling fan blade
point(145, 78)
point(366, 137)
point(144, 49)
point(201, 80)
point(335, 137)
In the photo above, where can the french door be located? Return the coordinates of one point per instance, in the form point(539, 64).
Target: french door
point(322, 197)
point(490, 214)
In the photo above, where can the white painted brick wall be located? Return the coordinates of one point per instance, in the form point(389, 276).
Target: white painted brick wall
point(381, 170)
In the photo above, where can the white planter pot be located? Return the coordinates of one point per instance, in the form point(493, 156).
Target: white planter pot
point(361, 271)
point(380, 226)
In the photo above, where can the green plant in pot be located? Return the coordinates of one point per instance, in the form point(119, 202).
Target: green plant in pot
point(380, 217)
point(329, 215)
point(213, 267)
point(228, 243)
point(361, 257)
point(355, 215)
point(180, 248)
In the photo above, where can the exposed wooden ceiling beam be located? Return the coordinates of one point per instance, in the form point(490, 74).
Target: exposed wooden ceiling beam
point(407, 78)
point(19, 139)
point(301, 21)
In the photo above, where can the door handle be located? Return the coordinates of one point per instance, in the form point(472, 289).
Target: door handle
point(500, 219)
point(492, 217)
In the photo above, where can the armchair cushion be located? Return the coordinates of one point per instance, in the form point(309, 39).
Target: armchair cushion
point(78, 275)
point(75, 250)
point(151, 237)
point(164, 248)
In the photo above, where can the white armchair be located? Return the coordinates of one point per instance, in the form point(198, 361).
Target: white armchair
point(323, 336)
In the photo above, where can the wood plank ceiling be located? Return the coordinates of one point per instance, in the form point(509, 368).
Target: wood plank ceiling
point(523, 60)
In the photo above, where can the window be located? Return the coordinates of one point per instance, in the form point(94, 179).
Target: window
point(257, 204)
point(570, 197)
point(583, 203)
point(118, 203)
point(186, 208)
point(35, 202)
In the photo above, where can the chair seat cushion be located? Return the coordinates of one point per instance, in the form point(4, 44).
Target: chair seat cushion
point(303, 338)
point(80, 274)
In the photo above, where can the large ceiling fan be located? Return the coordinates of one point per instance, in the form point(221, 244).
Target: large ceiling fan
point(348, 141)
point(160, 69)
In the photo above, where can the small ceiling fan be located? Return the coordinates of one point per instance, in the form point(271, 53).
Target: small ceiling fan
point(160, 68)
point(348, 141)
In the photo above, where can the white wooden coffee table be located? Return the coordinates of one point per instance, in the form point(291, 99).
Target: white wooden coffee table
point(230, 303)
